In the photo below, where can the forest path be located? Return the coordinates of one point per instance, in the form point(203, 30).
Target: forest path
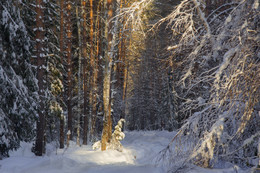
point(140, 149)
point(138, 156)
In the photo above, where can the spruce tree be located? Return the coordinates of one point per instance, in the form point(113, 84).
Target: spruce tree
point(17, 81)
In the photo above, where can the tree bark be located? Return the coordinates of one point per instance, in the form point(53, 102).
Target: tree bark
point(95, 76)
point(39, 146)
point(79, 76)
point(61, 55)
point(69, 66)
point(92, 98)
point(106, 134)
point(85, 73)
point(62, 131)
point(126, 42)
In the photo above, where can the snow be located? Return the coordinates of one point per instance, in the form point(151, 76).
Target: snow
point(140, 149)
point(251, 139)
point(225, 63)
point(229, 18)
point(172, 47)
point(256, 5)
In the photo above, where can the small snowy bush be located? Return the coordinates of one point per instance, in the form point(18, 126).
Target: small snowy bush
point(117, 136)
point(96, 145)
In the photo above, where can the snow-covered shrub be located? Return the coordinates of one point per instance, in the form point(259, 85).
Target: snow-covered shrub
point(96, 145)
point(117, 136)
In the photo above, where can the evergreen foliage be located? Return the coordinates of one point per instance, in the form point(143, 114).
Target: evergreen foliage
point(54, 71)
point(18, 84)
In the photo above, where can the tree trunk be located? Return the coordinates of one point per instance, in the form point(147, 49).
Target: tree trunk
point(79, 77)
point(62, 131)
point(61, 55)
point(85, 72)
point(92, 98)
point(95, 76)
point(125, 89)
point(125, 43)
point(69, 66)
point(39, 146)
point(122, 69)
point(106, 134)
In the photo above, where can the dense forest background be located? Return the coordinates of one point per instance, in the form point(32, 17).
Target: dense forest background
point(69, 70)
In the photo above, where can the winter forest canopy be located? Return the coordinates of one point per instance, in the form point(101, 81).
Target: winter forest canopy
point(71, 69)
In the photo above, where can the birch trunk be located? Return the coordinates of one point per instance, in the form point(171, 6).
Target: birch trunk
point(106, 135)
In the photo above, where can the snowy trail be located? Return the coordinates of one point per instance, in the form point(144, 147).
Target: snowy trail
point(140, 149)
point(137, 157)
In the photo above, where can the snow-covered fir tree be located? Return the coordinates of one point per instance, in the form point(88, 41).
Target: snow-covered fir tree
point(17, 80)
point(54, 70)
point(117, 136)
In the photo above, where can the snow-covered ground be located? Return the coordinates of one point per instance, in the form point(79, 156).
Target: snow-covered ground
point(140, 149)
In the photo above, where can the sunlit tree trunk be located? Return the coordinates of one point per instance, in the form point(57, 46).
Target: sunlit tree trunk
point(125, 88)
point(92, 94)
point(106, 134)
point(95, 75)
point(69, 65)
point(39, 146)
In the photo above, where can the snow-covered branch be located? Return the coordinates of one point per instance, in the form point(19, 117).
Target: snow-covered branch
point(133, 15)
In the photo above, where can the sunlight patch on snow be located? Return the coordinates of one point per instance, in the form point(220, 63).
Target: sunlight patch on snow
point(86, 155)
